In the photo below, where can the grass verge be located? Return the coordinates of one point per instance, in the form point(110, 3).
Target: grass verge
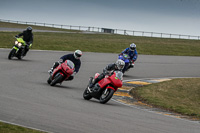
point(8, 128)
point(108, 43)
point(178, 95)
point(24, 26)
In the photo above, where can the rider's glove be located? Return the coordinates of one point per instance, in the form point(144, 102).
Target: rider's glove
point(131, 63)
point(105, 72)
point(60, 61)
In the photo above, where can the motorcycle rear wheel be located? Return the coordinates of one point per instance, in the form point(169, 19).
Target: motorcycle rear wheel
point(106, 97)
point(11, 54)
point(86, 95)
point(56, 80)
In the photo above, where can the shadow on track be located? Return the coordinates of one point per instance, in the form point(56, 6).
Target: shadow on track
point(15, 59)
point(96, 101)
point(130, 76)
point(56, 86)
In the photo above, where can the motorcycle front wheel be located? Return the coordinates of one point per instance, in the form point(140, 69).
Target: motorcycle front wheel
point(86, 95)
point(49, 80)
point(11, 54)
point(106, 95)
point(56, 80)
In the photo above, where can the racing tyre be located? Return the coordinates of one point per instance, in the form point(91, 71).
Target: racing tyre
point(56, 80)
point(19, 57)
point(11, 54)
point(49, 80)
point(86, 95)
point(106, 95)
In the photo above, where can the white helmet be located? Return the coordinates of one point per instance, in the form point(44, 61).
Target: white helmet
point(132, 46)
point(120, 64)
point(77, 54)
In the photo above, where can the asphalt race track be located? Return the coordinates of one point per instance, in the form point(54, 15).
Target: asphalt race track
point(26, 98)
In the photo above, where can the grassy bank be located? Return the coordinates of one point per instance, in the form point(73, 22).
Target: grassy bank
point(24, 26)
point(8, 128)
point(178, 95)
point(108, 43)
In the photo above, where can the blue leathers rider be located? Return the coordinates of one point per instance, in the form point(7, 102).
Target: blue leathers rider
point(132, 52)
point(74, 57)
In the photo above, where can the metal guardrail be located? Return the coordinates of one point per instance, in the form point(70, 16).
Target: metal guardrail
point(116, 31)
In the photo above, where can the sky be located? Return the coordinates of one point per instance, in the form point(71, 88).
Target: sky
point(163, 16)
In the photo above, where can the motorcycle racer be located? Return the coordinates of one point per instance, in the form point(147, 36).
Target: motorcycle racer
point(27, 37)
point(74, 57)
point(132, 52)
point(118, 65)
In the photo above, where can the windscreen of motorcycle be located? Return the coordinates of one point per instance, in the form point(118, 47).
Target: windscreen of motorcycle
point(126, 56)
point(119, 75)
point(70, 64)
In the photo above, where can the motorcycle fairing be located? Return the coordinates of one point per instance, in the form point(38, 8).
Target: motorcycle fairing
point(105, 81)
point(124, 57)
point(64, 70)
point(110, 80)
point(116, 81)
point(96, 75)
point(21, 40)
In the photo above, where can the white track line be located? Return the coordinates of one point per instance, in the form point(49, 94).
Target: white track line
point(172, 116)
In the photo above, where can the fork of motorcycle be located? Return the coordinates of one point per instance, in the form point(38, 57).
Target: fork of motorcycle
point(17, 49)
point(105, 92)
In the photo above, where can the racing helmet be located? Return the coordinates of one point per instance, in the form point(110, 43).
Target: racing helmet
point(77, 54)
point(29, 28)
point(132, 46)
point(120, 64)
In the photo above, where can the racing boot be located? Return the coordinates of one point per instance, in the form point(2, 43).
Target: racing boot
point(91, 85)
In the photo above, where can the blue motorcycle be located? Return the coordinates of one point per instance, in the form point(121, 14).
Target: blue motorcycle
point(128, 63)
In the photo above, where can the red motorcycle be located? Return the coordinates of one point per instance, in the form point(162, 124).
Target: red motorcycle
point(105, 88)
point(61, 73)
